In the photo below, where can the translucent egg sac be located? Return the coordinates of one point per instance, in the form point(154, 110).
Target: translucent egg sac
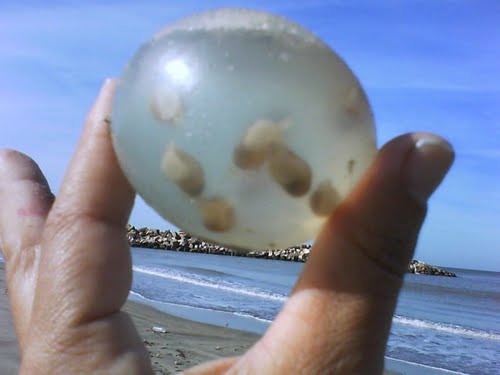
point(241, 128)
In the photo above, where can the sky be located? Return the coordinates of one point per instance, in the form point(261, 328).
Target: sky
point(426, 65)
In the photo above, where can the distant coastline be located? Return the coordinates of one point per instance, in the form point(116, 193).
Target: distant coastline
point(181, 241)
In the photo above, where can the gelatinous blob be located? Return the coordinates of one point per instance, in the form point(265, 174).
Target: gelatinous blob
point(217, 214)
point(289, 170)
point(255, 146)
point(258, 112)
point(166, 105)
point(183, 170)
point(324, 199)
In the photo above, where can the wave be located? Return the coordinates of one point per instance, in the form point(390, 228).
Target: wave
point(244, 315)
point(206, 271)
point(459, 291)
point(172, 275)
point(423, 367)
point(142, 296)
point(154, 302)
point(448, 328)
point(253, 317)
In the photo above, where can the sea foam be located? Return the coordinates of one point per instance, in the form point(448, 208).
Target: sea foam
point(448, 328)
point(210, 283)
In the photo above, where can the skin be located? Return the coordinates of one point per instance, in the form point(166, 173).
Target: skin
point(69, 265)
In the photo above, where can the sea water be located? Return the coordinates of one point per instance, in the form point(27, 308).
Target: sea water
point(440, 323)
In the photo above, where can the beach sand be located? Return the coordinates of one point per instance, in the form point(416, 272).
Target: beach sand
point(184, 344)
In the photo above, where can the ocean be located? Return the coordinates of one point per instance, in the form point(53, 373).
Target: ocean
point(441, 324)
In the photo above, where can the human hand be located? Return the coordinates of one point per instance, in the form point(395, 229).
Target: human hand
point(69, 267)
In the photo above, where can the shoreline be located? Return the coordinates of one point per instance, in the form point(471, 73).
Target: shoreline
point(174, 342)
point(393, 366)
point(180, 241)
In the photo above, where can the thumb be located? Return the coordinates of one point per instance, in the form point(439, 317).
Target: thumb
point(341, 308)
point(382, 217)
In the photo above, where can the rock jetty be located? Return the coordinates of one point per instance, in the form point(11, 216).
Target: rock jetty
point(421, 268)
point(181, 241)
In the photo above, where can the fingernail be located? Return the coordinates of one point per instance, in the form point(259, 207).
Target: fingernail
point(428, 163)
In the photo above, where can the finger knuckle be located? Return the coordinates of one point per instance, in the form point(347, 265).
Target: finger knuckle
point(388, 243)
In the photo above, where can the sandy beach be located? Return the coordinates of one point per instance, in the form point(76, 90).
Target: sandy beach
point(185, 343)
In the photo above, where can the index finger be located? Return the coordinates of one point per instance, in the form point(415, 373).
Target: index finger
point(84, 241)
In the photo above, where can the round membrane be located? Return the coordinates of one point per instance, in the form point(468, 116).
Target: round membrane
point(241, 128)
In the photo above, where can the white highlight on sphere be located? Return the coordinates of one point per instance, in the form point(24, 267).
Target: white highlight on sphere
point(242, 128)
point(179, 72)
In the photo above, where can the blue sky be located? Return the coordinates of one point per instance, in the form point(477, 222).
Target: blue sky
point(426, 65)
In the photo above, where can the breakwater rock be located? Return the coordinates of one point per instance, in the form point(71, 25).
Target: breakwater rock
point(422, 268)
point(181, 241)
